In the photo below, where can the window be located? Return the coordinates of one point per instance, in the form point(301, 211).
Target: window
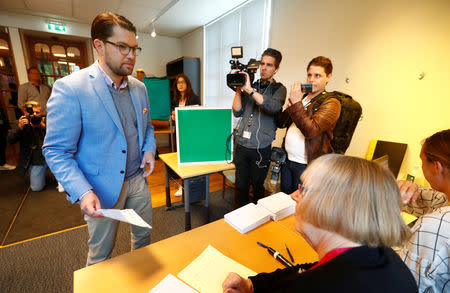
point(56, 58)
point(238, 28)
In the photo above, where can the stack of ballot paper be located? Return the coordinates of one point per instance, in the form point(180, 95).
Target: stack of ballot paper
point(247, 218)
point(279, 205)
point(276, 206)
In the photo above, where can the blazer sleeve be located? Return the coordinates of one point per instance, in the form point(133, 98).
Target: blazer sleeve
point(64, 125)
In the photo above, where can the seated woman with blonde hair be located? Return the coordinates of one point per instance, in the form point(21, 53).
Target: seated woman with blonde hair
point(348, 210)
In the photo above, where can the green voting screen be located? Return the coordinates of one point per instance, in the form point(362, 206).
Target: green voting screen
point(159, 96)
point(203, 134)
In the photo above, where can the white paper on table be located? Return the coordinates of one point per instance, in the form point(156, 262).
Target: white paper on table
point(208, 271)
point(127, 216)
point(172, 284)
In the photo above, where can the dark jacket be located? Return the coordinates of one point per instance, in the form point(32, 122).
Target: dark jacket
point(313, 126)
point(31, 140)
point(194, 100)
point(360, 269)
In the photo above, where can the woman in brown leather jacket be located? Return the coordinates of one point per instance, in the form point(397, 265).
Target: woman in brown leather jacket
point(309, 133)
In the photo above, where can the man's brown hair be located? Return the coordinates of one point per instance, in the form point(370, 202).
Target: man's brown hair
point(323, 62)
point(103, 25)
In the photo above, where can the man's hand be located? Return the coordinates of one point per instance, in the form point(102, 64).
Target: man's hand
point(90, 205)
point(23, 121)
point(296, 93)
point(150, 160)
point(235, 283)
point(247, 86)
point(408, 190)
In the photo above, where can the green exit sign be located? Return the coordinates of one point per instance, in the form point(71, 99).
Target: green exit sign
point(57, 28)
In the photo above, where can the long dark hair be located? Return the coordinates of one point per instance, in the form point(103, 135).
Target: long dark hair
point(189, 91)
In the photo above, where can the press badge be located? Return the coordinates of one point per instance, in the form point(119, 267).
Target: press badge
point(246, 134)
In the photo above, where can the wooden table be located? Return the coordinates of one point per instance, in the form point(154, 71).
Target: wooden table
point(142, 269)
point(189, 173)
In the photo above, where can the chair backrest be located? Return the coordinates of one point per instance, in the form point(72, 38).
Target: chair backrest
point(159, 97)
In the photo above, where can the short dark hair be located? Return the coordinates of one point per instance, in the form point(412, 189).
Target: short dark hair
point(103, 25)
point(323, 62)
point(275, 54)
point(31, 68)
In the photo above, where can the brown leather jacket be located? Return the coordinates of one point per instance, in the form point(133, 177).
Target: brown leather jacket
point(313, 126)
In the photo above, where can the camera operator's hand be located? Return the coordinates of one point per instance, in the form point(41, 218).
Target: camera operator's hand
point(247, 86)
point(296, 93)
point(23, 121)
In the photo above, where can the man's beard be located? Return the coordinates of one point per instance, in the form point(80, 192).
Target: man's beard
point(118, 69)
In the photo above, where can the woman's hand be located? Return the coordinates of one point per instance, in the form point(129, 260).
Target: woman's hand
point(408, 190)
point(235, 283)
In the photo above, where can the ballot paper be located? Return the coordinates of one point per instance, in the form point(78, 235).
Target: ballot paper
point(247, 218)
point(172, 284)
point(127, 216)
point(208, 271)
point(279, 205)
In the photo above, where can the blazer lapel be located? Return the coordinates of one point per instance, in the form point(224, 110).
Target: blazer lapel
point(99, 84)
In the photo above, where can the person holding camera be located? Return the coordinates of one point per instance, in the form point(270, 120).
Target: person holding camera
point(34, 90)
point(310, 133)
point(30, 132)
point(257, 104)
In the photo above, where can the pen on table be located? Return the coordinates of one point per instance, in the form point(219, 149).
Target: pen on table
point(276, 255)
point(290, 255)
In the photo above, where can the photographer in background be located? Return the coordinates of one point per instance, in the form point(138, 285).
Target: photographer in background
point(310, 132)
point(257, 104)
point(34, 90)
point(30, 132)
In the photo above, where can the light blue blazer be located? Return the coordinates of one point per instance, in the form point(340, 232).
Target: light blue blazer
point(85, 145)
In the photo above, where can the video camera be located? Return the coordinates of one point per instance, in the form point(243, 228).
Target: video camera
point(237, 79)
point(278, 156)
point(34, 119)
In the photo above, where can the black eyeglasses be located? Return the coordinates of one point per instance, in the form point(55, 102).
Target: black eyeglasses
point(124, 49)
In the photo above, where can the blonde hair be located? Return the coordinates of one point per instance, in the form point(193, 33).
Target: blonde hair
point(355, 198)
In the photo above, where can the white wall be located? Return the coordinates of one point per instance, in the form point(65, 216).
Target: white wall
point(192, 46)
point(382, 47)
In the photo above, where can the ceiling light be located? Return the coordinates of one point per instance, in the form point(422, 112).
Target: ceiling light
point(153, 34)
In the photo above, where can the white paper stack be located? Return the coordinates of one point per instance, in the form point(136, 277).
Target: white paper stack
point(247, 218)
point(279, 205)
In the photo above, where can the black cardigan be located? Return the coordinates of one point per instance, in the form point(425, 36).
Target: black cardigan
point(194, 100)
point(360, 269)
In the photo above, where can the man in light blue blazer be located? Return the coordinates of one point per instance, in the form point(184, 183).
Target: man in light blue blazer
point(100, 138)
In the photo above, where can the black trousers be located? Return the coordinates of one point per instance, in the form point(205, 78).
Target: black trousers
point(251, 168)
point(290, 176)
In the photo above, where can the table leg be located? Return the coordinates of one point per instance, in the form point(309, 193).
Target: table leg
point(187, 204)
point(166, 172)
point(207, 197)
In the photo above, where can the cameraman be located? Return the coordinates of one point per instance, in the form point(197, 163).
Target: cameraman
point(309, 133)
point(30, 132)
point(257, 104)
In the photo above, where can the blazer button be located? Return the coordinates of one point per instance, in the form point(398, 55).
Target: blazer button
point(124, 151)
point(121, 172)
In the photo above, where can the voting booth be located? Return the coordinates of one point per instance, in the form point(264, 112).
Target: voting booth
point(204, 135)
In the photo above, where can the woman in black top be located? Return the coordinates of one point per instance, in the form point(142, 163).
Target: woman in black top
point(183, 95)
point(348, 210)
